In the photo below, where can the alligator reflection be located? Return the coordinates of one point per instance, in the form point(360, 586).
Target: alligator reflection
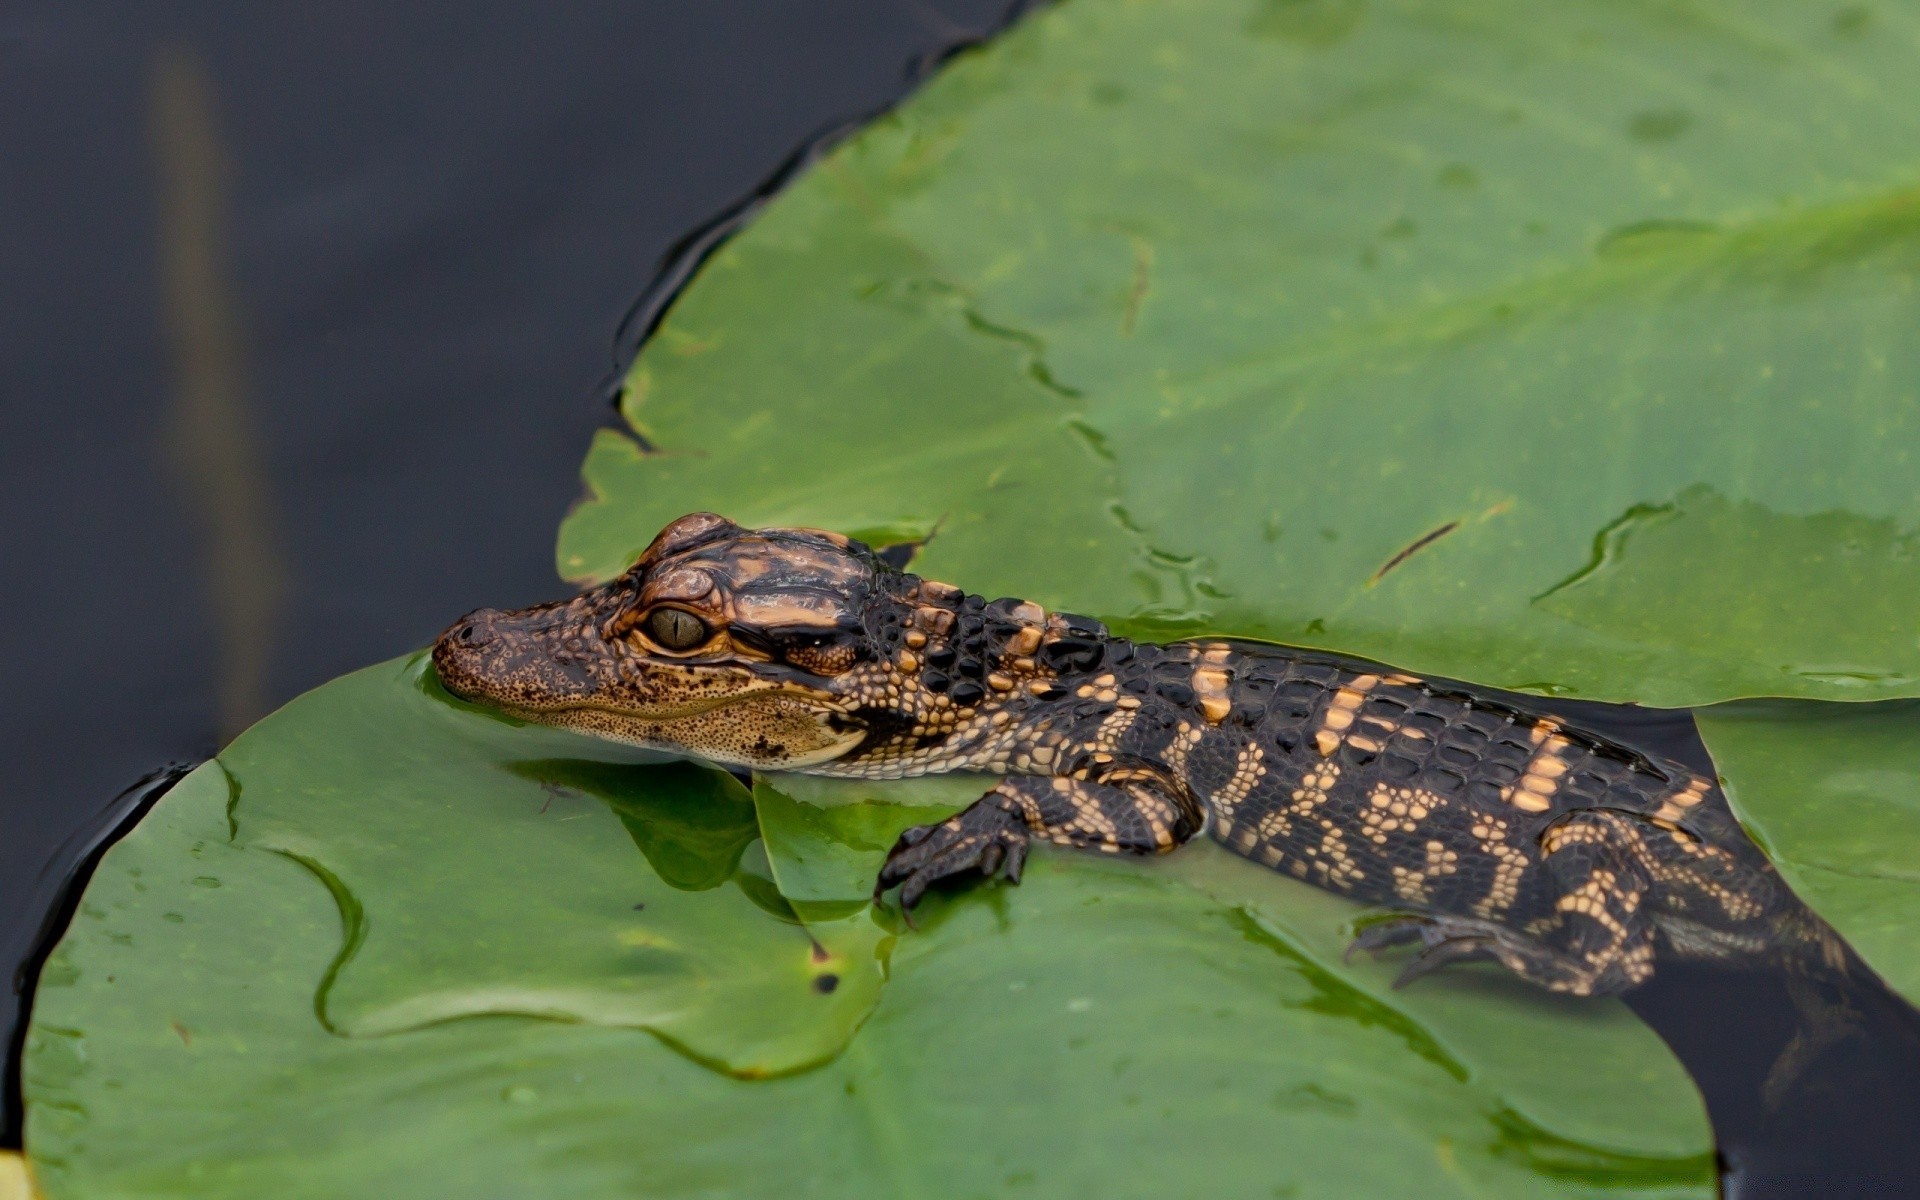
point(1813, 1085)
point(1812, 1081)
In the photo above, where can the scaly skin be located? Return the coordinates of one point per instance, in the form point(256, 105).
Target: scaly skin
point(1495, 833)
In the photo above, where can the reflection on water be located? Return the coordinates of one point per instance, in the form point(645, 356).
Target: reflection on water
point(1813, 1084)
point(212, 442)
point(1811, 1077)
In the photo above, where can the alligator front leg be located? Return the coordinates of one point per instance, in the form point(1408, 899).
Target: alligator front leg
point(1136, 809)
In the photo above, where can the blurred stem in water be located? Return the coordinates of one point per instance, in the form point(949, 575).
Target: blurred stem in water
point(211, 439)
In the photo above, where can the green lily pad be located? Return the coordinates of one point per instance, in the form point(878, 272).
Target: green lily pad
point(388, 945)
point(444, 840)
point(1562, 348)
point(1833, 794)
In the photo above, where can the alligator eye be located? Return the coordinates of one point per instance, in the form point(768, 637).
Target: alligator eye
point(676, 628)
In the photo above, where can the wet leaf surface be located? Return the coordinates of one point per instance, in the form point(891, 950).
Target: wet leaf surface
point(402, 957)
point(1659, 578)
point(1559, 349)
point(1833, 793)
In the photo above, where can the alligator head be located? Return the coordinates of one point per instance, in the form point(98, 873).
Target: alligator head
point(730, 644)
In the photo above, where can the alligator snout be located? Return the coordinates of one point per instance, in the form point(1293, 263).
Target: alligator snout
point(548, 656)
point(461, 656)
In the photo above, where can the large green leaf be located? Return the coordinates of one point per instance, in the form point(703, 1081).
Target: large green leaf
point(1199, 315)
point(1833, 792)
point(388, 945)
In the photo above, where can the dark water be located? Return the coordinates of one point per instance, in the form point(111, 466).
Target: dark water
point(311, 312)
point(1813, 1085)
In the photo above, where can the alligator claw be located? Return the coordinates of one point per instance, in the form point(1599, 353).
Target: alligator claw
point(985, 838)
point(1442, 941)
point(1441, 951)
point(1387, 933)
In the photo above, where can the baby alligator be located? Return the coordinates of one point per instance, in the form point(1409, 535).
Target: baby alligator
point(1491, 831)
